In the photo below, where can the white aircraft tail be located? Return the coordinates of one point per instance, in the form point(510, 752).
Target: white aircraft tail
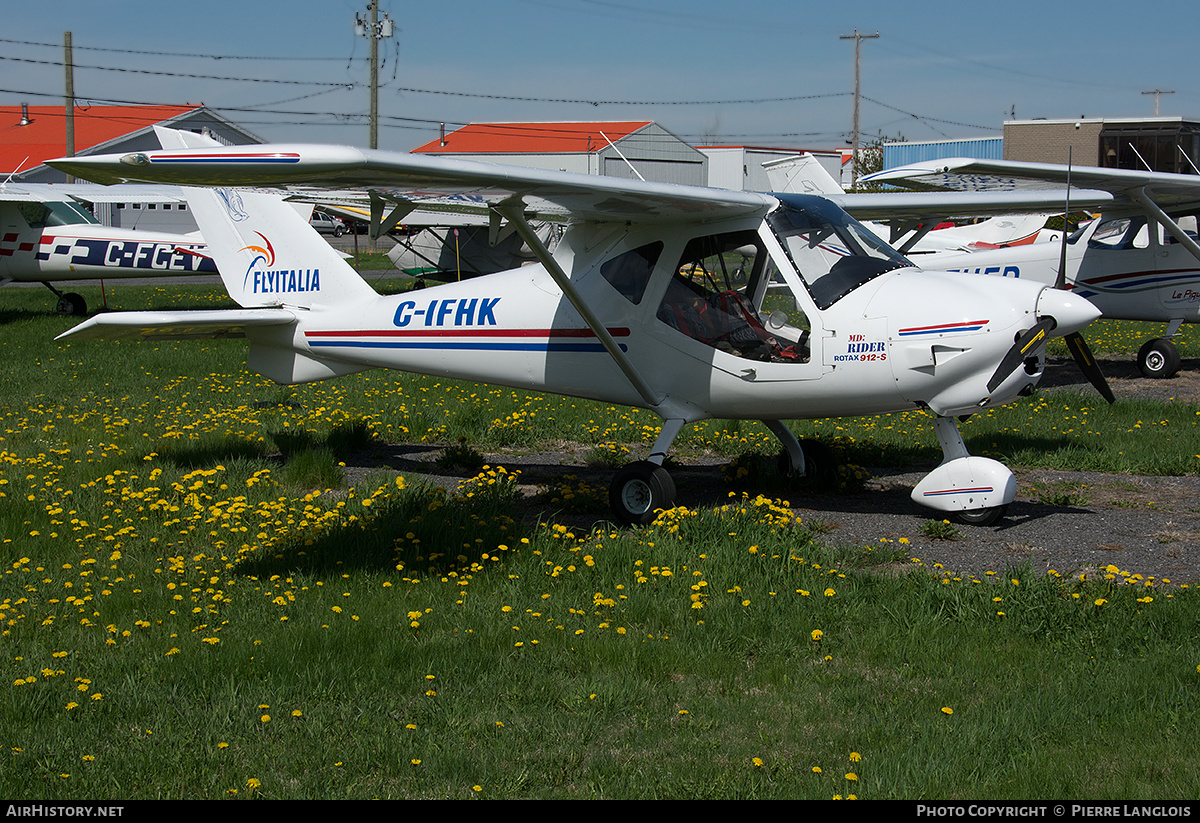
point(265, 250)
point(802, 174)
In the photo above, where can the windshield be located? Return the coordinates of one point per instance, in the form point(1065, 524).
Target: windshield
point(42, 215)
point(834, 253)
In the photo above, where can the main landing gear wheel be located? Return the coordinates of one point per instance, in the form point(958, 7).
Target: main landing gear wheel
point(638, 490)
point(980, 517)
point(71, 304)
point(1158, 358)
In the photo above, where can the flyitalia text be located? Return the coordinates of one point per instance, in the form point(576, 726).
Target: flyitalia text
point(286, 281)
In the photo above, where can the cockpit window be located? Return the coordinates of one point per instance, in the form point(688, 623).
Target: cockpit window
point(1121, 233)
point(629, 273)
point(41, 215)
point(714, 294)
point(834, 253)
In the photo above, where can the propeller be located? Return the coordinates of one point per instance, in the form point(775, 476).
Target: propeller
point(1028, 342)
point(1088, 365)
point(1021, 350)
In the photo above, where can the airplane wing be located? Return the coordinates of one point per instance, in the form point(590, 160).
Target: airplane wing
point(931, 206)
point(1172, 192)
point(413, 180)
point(192, 325)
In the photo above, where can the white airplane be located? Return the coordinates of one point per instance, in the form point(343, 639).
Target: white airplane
point(691, 302)
point(1139, 261)
point(48, 236)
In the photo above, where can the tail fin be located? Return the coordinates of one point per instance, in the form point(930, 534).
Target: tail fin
point(266, 252)
point(802, 174)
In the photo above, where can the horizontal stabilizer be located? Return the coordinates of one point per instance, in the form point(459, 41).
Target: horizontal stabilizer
point(177, 325)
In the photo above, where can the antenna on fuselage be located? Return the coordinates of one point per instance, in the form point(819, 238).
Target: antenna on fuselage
point(1060, 282)
point(623, 157)
point(1075, 343)
point(12, 174)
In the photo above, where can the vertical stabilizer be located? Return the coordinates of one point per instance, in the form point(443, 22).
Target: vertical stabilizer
point(266, 252)
point(802, 174)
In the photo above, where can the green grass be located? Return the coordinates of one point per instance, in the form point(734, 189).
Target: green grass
point(196, 603)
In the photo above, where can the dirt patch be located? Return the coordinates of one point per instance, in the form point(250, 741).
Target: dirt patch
point(1125, 379)
point(1067, 521)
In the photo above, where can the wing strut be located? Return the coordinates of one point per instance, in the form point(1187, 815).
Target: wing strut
point(1170, 225)
point(919, 230)
point(381, 225)
point(514, 212)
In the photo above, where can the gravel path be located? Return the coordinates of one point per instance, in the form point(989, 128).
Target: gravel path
point(1061, 520)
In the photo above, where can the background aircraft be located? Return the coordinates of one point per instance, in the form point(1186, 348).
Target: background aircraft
point(1139, 261)
point(691, 302)
point(48, 234)
point(804, 174)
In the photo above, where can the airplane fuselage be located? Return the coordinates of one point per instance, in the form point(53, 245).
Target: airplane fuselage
point(86, 251)
point(904, 339)
point(1130, 274)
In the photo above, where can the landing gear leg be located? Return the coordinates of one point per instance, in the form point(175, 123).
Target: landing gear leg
point(812, 461)
point(640, 489)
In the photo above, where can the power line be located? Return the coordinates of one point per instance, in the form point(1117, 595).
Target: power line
point(173, 53)
point(181, 74)
point(744, 101)
point(99, 101)
point(923, 118)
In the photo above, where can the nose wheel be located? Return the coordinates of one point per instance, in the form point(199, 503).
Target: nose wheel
point(639, 490)
point(980, 517)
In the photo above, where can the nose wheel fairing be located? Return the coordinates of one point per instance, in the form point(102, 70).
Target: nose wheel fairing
point(977, 490)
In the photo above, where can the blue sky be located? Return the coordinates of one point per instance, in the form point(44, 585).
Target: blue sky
point(758, 72)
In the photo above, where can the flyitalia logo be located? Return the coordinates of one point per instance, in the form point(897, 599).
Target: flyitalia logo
point(263, 278)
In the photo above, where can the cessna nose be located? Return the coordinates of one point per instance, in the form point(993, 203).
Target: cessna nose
point(1070, 312)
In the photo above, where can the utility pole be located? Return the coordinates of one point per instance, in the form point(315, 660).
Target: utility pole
point(857, 38)
point(375, 29)
point(69, 98)
point(1156, 93)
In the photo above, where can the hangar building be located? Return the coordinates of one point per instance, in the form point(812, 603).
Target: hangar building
point(612, 148)
point(30, 135)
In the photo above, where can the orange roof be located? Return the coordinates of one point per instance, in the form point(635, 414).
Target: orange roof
point(559, 138)
point(46, 135)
